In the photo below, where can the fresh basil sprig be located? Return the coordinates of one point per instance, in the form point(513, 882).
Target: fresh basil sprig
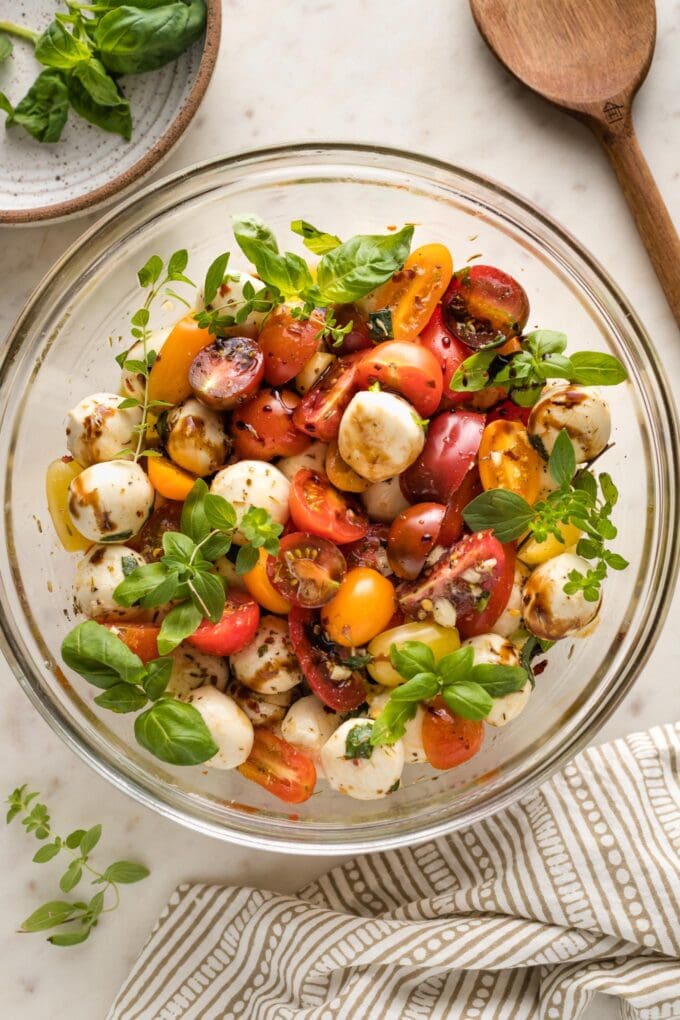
point(467, 689)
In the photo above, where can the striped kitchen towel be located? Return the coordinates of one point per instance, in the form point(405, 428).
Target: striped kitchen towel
point(574, 890)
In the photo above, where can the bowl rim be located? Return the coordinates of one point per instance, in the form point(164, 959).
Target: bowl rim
point(665, 572)
point(152, 157)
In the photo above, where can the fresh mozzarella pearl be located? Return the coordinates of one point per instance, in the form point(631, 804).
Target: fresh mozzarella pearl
point(110, 502)
point(578, 409)
point(379, 435)
point(97, 428)
point(195, 437)
point(493, 649)
point(98, 574)
point(132, 383)
point(229, 726)
point(507, 708)
point(227, 569)
point(549, 612)
point(192, 669)
point(511, 617)
point(261, 709)
point(268, 664)
point(309, 724)
point(361, 778)
point(313, 459)
point(253, 483)
point(313, 370)
point(384, 500)
point(229, 299)
point(414, 752)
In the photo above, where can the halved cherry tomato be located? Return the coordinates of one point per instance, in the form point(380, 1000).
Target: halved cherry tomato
point(448, 739)
point(321, 409)
point(317, 507)
point(149, 542)
point(141, 638)
point(279, 767)
point(413, 293)
point(169, 480)
point(413, 534)
point(317, 657)
point(227, 372)
point(371, 550)
point(288, 343)
point(406, 368)
point(263, 427)
point(453, 525)
point(508, 410)
point(307, 571)
point(363, 606)
point(260, 587)
point(169, 377)
point(450, 450)
point(450, 353)
point(484, 304)
point(359, 337)
point(507, 460)
point(234, 631)
point(341, 475)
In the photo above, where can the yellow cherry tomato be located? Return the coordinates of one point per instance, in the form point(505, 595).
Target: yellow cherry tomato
point(363, 606)
point(169, 377)
point(168, 480)
point(341, 475)
point(507, 460)
point(532, 552)
point(442, 641)
point(261, 588)
point(59, 476)
point(413, 293)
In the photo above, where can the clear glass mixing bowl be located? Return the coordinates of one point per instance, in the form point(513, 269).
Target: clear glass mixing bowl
point(62, 348)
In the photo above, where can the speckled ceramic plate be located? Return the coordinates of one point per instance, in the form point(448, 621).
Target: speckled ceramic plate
point(88, 166)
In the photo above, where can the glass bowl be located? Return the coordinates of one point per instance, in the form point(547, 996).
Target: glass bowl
point(63, 347)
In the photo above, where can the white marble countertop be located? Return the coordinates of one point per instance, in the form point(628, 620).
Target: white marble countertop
point(392, 72)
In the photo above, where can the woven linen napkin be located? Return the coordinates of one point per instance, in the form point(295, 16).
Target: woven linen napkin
point(573, 890)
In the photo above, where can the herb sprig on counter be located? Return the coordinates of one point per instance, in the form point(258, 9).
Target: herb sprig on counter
point(73, 920)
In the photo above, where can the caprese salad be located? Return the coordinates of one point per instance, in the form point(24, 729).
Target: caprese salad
point(329, 518)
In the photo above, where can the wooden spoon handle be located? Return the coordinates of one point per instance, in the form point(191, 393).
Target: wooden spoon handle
point(647, 206)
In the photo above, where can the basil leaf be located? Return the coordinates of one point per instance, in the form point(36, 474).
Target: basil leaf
point(473, 374)
point(391, 723)
point(420, 687)
point(158, 673)
point(89, 81)
point(49, 915)
point(252, 235)
point(358, 266)
point(468, 700)
point(358, 741)
point(555, 366)
point(99, 656)
point(288, 273)
point(545, 341)
point(207, 594)
point(72, 938)
point(180, 623)
point(562, 459)
point(194, 522)
point(141, 582)
point(503, 512)
point(179, 546)
point(6, 47)
point(122, 698)
point(57, 48)
point(175, 732)
point(411, 658)
point(215, 277)
point(219, 513)
point(315, 240)
point(499, 680)
point(125, 872)
point(590, 368)
point(43, 110)
point(215, 547)
point(456, 666)
point(131, 40)
point(165, 592)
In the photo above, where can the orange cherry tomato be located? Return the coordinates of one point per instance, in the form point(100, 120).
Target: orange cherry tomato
point(363, 607)
point(279, 767)
point(413, 293)
point(169, 377)
point(141, 638)
point(448, 739)
point(168, 479)
point(260, 587)
point(507, 460)
point(341, 475)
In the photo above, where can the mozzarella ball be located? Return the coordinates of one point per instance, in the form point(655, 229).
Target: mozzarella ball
point(511, 617)
point(384, 501)
point(361, 778)
point(379, 435)
point(110, 502)
point(414, 752)
point(227, 569)
point(550, 613)
point(97, 428)
point(261, 709)
point(578, 409)
point(195, 437)
point(268, 664)
point(98, 575)
point(132, 383)
point(507, 708)
point(312, 459)
point(229, 726)
point(309, 724)
point(229, 299)
point(312, 370)
point(192, 669)
point(493, 649)
point(253, 483)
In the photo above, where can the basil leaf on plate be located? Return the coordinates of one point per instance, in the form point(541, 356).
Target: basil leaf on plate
point(135, 39)
point(175, 732)
point(44, 109)
point(58, 48)
point(95, 97)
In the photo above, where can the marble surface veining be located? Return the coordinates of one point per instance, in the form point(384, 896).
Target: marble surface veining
point(391, 72)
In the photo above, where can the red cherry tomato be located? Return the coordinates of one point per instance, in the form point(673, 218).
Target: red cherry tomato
point(149, 542)
point(413, 534)
point(448, 739)
point(317, 656)
point(371, 550)
point(263, 427)
point(287, 344)
point(483, 304)
point(453, 524)
point(508, 410)
point(279, 767)
point(226, 372)
point(406, 368)
point(307, 571)
point(450, 450)
point(234, 631)
point(317, 507)
point(321, 409)
point(450, 353)
point(476, 578)
point(141, 638)
point(359, 337)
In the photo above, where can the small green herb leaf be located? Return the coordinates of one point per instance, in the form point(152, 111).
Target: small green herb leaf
point(505, 513)
point(180, 623)
point(358, 741)
point(50, 914)
point(562, 460)
point(315, 240)
point(125, 872)
point(214, 277)
point(411, 658)
point(590, 368)
point(121, 698)
point(176, 733)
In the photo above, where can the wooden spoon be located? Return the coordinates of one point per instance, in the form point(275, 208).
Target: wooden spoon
point(590, 57)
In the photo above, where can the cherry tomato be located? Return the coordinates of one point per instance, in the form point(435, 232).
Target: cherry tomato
point(475, 578)
point(307, 571)
point(287, 344)
point(453, 525)
point(279, 767)
point(508, 410)
point(321, 409)
point(450, 353)
point(317, 507)
point(141, 638)
point(359, 337)
point(363, 606)
point(234, 631)
point(450, 449)
point(260, 587)
point(448, 739)
point(413, 534)
point(407, 368)
point(317, 658)
point(507, 460)
point(169, 376)
point(371, 550)
point(413, 293)
point(226, 372)
point(149, 542)
point(483, 304)
point(341, 475)
point(263, 427)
